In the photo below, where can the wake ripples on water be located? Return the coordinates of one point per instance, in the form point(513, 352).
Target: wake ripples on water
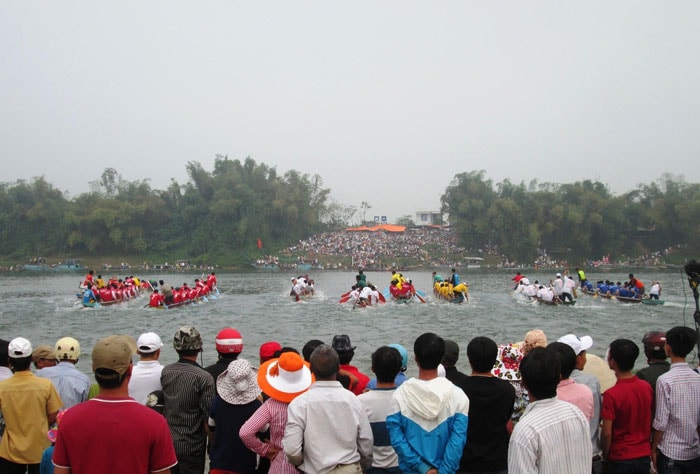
point(45, 308)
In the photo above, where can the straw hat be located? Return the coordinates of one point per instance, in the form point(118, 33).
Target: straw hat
point(286, 377)
point(237, 385)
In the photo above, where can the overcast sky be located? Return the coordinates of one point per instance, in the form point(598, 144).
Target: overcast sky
point(386, 100)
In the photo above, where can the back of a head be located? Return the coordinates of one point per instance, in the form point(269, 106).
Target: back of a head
point(19, 351)
point(67, 349)
point(4, 358)
point(404, 355)
point(229, 343)
point(309, 347)
point(386, 364)
point(187, 341)
point(567, 357)
point(540, 371)
point(346, 351)
point(681, 339)
point(482, 353)
point(111, 361)
point(654, 342)
point(451, 354)
point(624, 352)
point(324, 362)
point(429, 349)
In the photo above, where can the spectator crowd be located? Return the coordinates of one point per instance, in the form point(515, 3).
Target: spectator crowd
point(526, 407)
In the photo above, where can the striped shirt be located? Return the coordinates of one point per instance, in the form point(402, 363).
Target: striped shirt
point(552, 437)
point(678, 412)
point(188, 391)
point(274, 413)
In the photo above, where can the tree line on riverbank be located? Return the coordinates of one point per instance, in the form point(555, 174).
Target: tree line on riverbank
point(241, 210)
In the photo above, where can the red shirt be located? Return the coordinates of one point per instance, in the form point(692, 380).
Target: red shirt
point(628, 404)
point(362, 379)
point(115, 433)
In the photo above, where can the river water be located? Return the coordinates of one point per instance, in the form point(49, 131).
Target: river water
point(43, 308)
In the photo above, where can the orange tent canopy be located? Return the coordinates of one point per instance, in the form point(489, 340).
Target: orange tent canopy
point(375, 228)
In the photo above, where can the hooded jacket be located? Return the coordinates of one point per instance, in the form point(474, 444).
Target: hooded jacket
point(428, 425)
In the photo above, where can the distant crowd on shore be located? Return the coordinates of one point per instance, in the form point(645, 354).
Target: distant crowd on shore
point(377, 249)
point(526, 407)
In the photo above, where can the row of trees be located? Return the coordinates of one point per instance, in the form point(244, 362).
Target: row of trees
point(575, 221)
point(220, 216)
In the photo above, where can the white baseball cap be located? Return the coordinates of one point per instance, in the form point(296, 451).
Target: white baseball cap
point(149, 342)
point(578, 344)
point(19, 347)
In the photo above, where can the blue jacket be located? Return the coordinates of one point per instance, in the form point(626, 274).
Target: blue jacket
point(428, 425)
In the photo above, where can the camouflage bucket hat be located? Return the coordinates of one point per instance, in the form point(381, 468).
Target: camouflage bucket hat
point(187, 338)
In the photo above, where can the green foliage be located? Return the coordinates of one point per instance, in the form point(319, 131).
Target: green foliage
point(217, 215)
point(576, 221)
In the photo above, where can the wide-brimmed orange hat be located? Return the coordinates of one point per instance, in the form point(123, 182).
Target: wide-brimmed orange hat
point(286, 377)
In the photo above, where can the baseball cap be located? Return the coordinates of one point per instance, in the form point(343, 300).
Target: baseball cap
point(67, 348)
point(149, 342)
point(268, 349)
point(19, 347)
point(558, 275)
point(43, 352)
point(187, 338)
point(229, 341)
point(578, 344)
point(111, 353)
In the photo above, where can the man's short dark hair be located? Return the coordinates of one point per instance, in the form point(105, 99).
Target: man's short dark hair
point(624, 352)
point(567, 357)
point(108, 378)
point(429, 349)
point(20, 364)
point(195, 352)
point(309, 348)
point(346, 356)
point(681, 339)
point(482, 353)
point(324, 362)
point(386, 364)
point(540, 370)
point(4, 357)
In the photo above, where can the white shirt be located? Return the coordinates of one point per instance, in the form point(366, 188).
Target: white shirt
point(545, 294)
point(552, 437)
point(558, 286)
point(326, 426)
point(145, 378)
point(569, 285)
point(654, 289)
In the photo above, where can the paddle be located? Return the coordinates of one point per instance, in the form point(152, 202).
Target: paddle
point(345, 298)
point(420, 298)
point(381, 297)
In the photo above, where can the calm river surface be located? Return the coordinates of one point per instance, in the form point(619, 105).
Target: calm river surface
point(43, 308)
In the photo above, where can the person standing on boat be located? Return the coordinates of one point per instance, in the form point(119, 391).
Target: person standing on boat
point(581, 277)
point(655, 290)
point(636, 285)
point(211, 281)
point(454, 278)
point(557, 286)
point(568, 287)
point(89, 278)
point(167, 292)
